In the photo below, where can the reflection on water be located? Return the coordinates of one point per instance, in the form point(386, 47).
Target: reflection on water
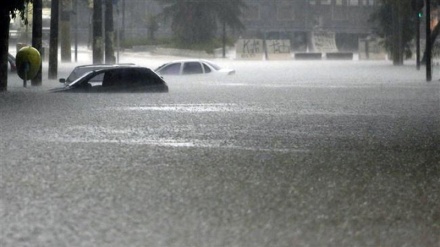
point(182, 108)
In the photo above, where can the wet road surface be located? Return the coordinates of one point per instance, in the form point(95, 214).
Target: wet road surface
point(281, 154)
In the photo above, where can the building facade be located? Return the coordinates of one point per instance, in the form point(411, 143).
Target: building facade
point(294, 20)
point(297, 20)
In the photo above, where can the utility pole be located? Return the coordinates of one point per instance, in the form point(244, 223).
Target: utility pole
point(98, 43)
point(122, 32)
point(428, 41)
point(76, 29)
point(224, 39)
point(418, 40)
point(53, 46)
point(37, 36)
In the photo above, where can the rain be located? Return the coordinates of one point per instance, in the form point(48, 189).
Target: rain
point(285, 152)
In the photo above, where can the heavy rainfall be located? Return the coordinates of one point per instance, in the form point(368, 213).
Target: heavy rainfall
point(286, 123)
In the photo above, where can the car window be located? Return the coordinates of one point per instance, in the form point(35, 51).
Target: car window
point(78, 72)
point(97, 79)
point(171, 69)
point(192, 68)
point(111, 78)
point(150, 78)
point(130, 77)
point(85, 80)
point(206, 68)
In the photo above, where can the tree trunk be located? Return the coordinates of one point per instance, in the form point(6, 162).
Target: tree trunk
point(397, 49)
point(53, 47)
point(97, 32)
point(109, 33)
point(66, 53)
point(37, 36)
point(4, 45)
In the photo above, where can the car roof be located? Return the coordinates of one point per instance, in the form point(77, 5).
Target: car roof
point(189, 60)
point(105, 65)
point(103, 70)
point(120, 68)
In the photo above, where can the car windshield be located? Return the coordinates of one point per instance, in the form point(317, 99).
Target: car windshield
point(80, 70)
point(215, 66)
point(86, 75)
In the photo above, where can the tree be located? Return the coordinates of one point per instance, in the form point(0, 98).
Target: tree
point(393, 17)
point(387, 29)
point(64, 29)
point(98, 43)
point(9, 9)
point(53, 46)
point(230, 16)
point(436, 30)
point(109, 33)
point(188, 15)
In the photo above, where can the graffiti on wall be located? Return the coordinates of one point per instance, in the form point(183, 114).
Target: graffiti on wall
point(249, 48)
point(324, 41)
point(254, 48)
point(278, 46)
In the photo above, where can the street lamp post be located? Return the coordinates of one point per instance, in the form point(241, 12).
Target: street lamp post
point(428, 41)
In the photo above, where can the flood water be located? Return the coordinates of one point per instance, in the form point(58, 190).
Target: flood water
point(283, 153)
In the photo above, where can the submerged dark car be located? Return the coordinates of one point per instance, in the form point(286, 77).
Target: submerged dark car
point(118, 79)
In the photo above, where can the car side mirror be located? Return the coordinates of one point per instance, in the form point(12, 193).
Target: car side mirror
point(62, 80)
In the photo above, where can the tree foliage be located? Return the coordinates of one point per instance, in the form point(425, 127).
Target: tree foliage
point(395, 24)
point(196, 21)
point(15, 7)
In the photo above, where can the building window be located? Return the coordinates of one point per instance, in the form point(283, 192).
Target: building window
point(353, 2)
point(252, 12)
point(312, 2)
point(339, 13)
point(326, 2)
point(338, 2)
point(285, 11)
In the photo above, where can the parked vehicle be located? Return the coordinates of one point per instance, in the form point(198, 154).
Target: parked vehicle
point(117, 79)
point(191, 67)
point(78, 71)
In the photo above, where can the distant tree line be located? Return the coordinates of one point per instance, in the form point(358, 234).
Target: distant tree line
point(198, 21)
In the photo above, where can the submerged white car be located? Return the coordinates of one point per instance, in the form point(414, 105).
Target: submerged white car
point(192, 67)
